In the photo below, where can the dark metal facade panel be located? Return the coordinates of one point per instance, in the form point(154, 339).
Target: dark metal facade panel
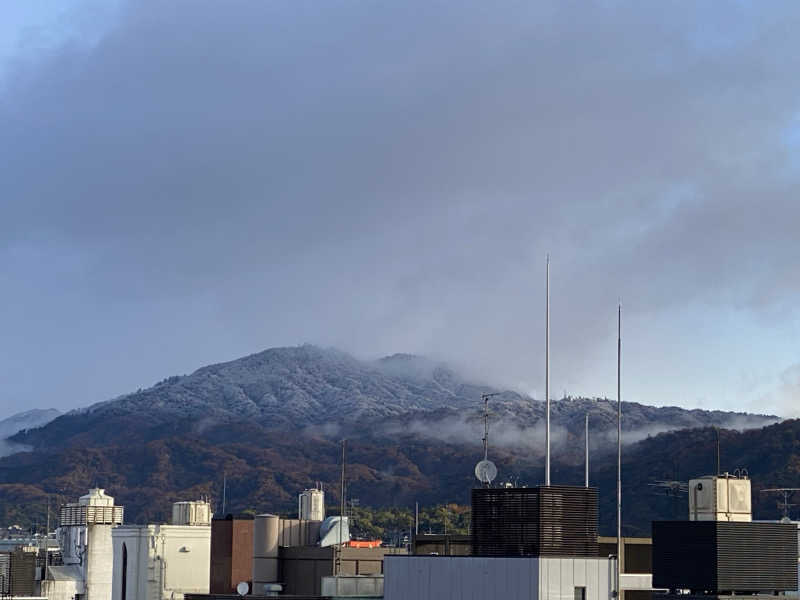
point(23, 573)
point(5, 573)
point(231, 553)
point(721, 556)
point(540, 521)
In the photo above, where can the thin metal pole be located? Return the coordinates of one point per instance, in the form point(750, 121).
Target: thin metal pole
point(224, 491)
point(341, 524)
point(619, 448)
point(337, 567)
point(547, 378)
point(486, 427)
point(717, 431)
point(586, 437)
point(416, 518)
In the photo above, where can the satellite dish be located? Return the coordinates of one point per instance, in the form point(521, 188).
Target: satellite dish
point(485, 471)
point(242, 588)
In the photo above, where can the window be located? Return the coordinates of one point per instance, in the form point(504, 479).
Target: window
point(580, 593)
point(124, 570)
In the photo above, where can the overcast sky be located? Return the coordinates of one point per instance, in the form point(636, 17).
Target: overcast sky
point(187, 182)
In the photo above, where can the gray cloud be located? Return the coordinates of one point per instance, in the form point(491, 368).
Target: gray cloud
point(204, 181)
point(785, 397)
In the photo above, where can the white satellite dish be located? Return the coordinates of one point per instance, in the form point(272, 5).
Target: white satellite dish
point(485, 471)
point(242, 588)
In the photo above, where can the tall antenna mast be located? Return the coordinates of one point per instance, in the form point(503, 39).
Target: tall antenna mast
point(344, 501)
point(619, 445)
point(716, 429)
point(338, 563)
point(485, 470)
point(485, 427)
point(485, 398)
point(224, 491)
point(586, 438)
point(547, 378)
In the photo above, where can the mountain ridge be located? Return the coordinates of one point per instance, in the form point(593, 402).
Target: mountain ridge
point(306, 386)
point(272, 422)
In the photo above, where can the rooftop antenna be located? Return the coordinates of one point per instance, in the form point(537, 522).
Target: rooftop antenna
point(786, 493)
point(586, 438)
point(547, 377)
point(224, 491)
point(485, 398)
point(716, 430)
point(338, 565)
point(671, 487)
point(485, 470)
point(619, 444)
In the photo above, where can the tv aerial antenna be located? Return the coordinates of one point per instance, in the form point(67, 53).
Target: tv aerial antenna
point(670, 488)
point(485, 470)
point(786, 493)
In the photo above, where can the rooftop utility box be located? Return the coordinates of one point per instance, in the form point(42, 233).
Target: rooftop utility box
point(191, 513)
point(720, 498)
point(557, 520)
point(719, 556)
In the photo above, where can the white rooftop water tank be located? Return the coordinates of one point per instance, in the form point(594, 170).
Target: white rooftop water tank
point(311, 505)
point(720, 498)
point(195, 512)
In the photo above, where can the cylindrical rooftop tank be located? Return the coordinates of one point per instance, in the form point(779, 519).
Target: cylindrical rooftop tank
point(265, 551)
point(311, 505)
point(99, 562)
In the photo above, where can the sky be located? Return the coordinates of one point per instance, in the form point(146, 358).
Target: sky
point(187, 182)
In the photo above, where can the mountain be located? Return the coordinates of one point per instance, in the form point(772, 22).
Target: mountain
point(281, 388)
point(272, 423)
point(29, 419)
point(292, 389)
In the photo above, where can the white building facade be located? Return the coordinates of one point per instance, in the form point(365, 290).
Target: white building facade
point(513, 578)
point(163, 562)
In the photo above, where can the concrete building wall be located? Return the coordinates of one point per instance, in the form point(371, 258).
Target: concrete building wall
point(99, 562)
point(61, 590)
point(163, 561)
point(637, 553)
point(559, 578)
point(303, 567)
point(477, 578)
point(294, 532)
point(442, 544)
point(359, 586)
